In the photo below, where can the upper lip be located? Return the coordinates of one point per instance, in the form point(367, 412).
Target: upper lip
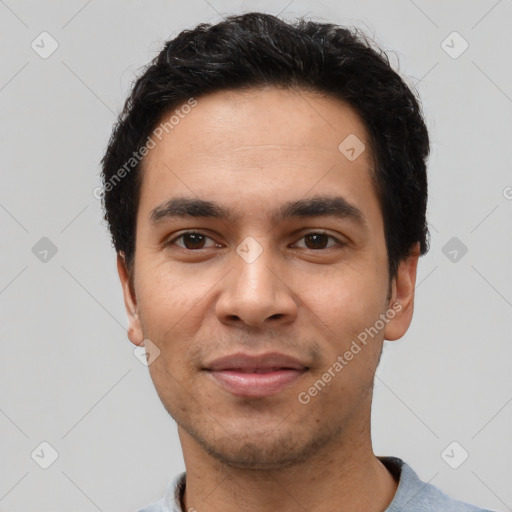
point(247, 362)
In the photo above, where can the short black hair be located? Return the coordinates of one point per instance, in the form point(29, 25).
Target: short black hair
point(257, 50)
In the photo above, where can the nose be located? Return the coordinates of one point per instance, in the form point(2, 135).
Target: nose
point(256, 292)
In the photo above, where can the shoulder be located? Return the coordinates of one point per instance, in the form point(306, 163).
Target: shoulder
point(431, 498)
point(170, 502)
point(414, 495)
point(153, 507)
point(158, 506)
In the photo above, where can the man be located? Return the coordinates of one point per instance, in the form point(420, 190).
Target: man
point(266, 191)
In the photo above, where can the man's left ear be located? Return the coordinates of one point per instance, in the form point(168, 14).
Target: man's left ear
point(402, 296)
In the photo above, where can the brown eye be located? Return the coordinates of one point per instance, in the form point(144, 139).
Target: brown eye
point(192, 241)
point(316, 240)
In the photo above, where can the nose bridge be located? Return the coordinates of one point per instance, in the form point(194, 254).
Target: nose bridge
point(256, 281)
point(254, 291)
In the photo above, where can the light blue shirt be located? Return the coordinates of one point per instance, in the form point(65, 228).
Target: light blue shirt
point(412, 494)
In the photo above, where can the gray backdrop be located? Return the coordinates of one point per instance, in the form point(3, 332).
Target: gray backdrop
point(69, 378)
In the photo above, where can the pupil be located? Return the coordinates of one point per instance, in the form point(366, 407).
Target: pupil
point(317, 240)
point(193, 239)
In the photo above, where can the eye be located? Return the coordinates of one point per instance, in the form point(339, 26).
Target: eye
point(318, 240)
point(192, 240)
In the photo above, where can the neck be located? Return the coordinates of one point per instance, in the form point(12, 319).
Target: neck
point(341, 476)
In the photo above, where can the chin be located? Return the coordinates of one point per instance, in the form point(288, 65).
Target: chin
point(254, 456)
point(264, 450)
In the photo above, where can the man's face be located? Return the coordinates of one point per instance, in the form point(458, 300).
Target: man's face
point(285, 295)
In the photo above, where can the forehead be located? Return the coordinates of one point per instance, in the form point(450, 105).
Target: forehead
point(261, 143)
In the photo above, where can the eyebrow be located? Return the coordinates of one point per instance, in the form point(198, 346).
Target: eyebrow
point(335, 206)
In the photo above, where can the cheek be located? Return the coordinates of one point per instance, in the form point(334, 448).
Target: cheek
point(347, 296)
point(165, 294)
point(173, 306)
point(345, 309)
point(166, 305)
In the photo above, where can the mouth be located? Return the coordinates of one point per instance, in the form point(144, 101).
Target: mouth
point(251, 376)
point(257, 370)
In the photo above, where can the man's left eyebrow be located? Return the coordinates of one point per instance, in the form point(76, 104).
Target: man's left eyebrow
point(324, 206)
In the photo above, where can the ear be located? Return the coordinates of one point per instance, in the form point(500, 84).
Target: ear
point(135, 334)
point(402, 296)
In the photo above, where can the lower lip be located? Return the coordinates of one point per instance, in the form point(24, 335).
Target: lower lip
point(256, 385)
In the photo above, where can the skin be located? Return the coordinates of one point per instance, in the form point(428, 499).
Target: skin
point(253, 151)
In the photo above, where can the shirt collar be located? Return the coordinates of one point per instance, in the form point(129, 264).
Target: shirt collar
point(409, 486)
point(174, 494)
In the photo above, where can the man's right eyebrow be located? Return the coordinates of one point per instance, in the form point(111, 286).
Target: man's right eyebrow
point(181, 207)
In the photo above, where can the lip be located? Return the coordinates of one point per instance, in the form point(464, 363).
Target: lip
point(256, 376)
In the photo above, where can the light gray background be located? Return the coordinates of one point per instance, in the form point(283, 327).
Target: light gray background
point(68, 375)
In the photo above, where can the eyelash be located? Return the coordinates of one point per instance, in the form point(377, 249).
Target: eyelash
point(173, 240)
